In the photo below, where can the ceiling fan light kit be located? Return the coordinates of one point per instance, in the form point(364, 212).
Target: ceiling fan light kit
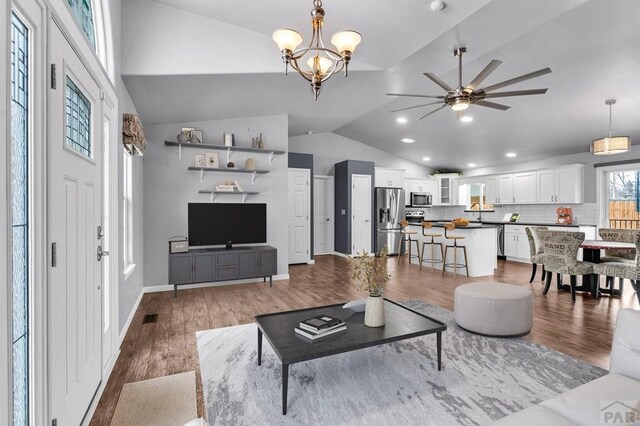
point(322, 61)
point(610, 145)
point(460, 97)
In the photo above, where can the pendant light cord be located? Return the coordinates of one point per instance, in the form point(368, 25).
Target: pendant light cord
point(610, 120)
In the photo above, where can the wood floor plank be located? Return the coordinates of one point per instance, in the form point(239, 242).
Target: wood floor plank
point(582, 329)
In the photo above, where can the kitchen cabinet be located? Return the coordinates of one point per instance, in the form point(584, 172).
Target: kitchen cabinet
point(447, 189)
point(516, 243)
point(388, 178)
point(505, 189)
point(524, 188)
point(407, 192)
point(427, 185)
point(562, 185)
point(491, 189)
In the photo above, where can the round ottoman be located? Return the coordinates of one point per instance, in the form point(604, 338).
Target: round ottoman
point(494, 309)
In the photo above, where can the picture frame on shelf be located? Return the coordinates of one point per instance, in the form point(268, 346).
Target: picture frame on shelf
point(196, 136)
point(228, 139)
point(200, 160)
point(212, 159)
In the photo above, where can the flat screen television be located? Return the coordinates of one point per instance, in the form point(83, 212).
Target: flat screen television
point(213, 224)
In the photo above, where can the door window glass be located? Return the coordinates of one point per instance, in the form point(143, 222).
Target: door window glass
point(78, 119)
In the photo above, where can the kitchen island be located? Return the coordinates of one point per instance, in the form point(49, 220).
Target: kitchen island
point(480, 240)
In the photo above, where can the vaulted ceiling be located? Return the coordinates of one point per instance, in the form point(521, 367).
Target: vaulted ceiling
point(190, 60)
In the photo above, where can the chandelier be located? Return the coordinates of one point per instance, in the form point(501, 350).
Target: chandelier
point(610, 144)
point(322, 62)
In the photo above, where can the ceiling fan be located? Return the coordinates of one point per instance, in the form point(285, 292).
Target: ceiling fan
point(461, 97)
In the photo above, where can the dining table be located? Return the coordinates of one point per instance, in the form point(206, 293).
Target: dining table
point(591, 253)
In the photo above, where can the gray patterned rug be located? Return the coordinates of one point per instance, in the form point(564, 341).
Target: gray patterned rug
point(483, 379)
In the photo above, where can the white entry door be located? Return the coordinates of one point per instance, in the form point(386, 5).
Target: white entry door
point(361, 214)
point(298, 207)
point(322, 215)
point(74, 214)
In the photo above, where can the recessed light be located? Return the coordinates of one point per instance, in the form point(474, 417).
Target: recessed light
point(426, 159)
point(466, 119)
point(401, 120)
point(471, 164)
point(407, 140)
point(511, 154)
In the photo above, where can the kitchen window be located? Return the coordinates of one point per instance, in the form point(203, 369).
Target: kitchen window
point(623, 200)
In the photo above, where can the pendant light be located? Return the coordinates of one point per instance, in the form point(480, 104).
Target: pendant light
point(610, 145)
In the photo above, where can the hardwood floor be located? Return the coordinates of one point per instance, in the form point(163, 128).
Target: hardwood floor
point(582, 329)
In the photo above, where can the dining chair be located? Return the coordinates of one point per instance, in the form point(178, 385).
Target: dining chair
point(561, 256)
point(535, 250)
point(621, 236)
point(625, 271)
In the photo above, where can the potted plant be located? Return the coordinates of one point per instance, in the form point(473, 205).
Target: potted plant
point(370, 275)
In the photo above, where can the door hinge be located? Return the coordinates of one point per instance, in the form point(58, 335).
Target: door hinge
point(53, 76)
point(54, 422)
point(54, 255)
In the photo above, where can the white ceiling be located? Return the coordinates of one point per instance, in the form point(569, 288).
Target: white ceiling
point(591, 46)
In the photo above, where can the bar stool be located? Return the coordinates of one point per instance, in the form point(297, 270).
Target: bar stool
point(406, 238)
point(433, 244)
point(455, 265)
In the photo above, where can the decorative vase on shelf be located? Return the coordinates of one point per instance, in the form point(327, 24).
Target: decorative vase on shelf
point(374, 311)
point(183, 137)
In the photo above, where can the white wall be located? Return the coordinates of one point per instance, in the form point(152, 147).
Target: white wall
point(169, 186)
point(329, 148)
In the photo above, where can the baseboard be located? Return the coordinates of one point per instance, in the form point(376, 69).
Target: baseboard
point(519, 260)
point(106, 374)
point(169, 287)
point(337, 253)
point(311, 262)
point(123, 333)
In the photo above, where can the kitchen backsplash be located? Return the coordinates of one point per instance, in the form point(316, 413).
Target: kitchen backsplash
point(583, 214)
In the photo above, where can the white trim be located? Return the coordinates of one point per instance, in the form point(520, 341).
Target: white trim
point(309, 213)
point(331, 213)
point(337, 253)
point(169, 287)
point(123, 333)
point(128, 270)
point(602, 190)
point(106, 373)
point(311, 262)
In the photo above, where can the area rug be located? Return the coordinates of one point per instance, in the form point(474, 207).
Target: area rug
point(482, 379)
point(168, 400)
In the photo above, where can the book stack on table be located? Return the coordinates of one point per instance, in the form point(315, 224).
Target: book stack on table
point(320, 326)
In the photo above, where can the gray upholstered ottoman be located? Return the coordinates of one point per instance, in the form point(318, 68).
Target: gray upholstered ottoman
point(494, 309)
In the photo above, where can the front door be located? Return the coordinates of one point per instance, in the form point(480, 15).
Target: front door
point(361, 207)
point(298, 197)
point(74, 214)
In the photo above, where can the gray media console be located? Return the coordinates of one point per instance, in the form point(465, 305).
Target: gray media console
point(220, 264)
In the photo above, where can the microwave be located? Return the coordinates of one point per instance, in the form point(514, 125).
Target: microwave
point(421, 199)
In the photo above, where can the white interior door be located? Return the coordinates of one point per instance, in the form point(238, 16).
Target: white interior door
point(323, 215)
point(298, 207)
point(361, 214)
point(74, 214)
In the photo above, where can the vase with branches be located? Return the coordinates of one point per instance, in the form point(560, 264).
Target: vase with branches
point(370, 274)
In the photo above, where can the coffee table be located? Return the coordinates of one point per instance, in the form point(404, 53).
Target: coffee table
point(401, 323)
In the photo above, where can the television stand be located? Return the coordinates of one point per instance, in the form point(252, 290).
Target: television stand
point(221, 264)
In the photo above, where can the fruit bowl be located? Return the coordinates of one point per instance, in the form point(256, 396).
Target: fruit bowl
point(460, 221)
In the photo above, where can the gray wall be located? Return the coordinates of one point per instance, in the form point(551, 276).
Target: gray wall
point(329, 149)
point(169, 186)
point(584, 158)
point(305, 161)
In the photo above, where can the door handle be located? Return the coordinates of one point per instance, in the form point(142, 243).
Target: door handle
point(328, 220)
point(101, 253)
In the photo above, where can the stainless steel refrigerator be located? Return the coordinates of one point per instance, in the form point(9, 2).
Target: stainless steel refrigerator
point(388, 214)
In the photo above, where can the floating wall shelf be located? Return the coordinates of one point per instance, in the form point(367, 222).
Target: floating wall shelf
point(271, 152)
point(244, 194)
point(204, 170)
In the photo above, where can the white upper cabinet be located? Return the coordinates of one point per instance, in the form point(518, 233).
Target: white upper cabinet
point(491, 189)
point(389, 178)
point(505, 189)
point(524, 188)
point(427, 185)
point(561, 185)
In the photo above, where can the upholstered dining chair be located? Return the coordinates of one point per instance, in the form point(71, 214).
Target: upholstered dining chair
point(622, 236)
point(535, 250)
point(625, 271)
point(561, 256)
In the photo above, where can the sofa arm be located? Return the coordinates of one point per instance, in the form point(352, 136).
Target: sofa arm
point(625, 350)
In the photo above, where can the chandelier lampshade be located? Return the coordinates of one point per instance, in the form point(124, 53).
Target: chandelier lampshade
point(322, 61)
point(610, 145)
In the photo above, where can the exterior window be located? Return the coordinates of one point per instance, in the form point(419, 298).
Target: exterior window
point(127, 204)
point(83, 12)
point(624, 197)
point(78, 119)
point(20, 137)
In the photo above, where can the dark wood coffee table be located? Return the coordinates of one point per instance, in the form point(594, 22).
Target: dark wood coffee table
point(401, 323)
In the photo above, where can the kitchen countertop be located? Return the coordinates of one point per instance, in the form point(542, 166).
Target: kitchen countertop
point(472, 225)
point(496, 222)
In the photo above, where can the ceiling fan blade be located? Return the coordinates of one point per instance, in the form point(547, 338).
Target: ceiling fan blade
point(491, 66)
point(416, 106)
point(518, 79)
point(416, 96)
point(438, 81)
point(435, 110)
point(516, 93)
point(492, 105)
